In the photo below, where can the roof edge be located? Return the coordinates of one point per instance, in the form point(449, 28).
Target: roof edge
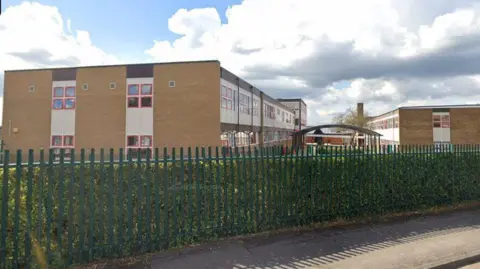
point(427, 107)
point(111, 65)
point(291, 99)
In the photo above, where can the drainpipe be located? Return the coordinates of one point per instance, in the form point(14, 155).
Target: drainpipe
point(262, 116)
point(251, 125)
point(300, 115)
point(238, 111)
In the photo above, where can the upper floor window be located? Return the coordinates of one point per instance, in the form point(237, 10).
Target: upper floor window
point(269, 111)
point(139, 95)
point(256, 108)
point(227, 98)
point(63, 98)
point(244, 103)
point(441, 121)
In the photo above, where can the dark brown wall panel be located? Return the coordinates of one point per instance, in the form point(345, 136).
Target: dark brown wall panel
point(64, 74)
point(140, 71)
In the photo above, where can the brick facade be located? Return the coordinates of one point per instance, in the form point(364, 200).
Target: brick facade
point(465, 125)
point(415, 126)
point(186, 114)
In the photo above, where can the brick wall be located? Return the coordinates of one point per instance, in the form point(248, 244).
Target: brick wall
point(416, 127)
point(465, 125)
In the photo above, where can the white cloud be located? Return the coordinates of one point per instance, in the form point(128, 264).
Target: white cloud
point(33, 35)
point(390, 53)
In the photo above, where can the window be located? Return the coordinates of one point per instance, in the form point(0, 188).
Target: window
point(227, 98)
point(132, 102)
point(70, 92)
point(269, 111)
point(70, 103)
point(244, 105)
point(234, 100)
point(62, 142)
point(57, 104)
point(441, 121)
point(56, 141)
point(58, 92)
point(132, 89)
point(253, 138)
point(283, 116)
point(139, 143)
point(132, 141)
point(256, 108)
point(146, 102)
point(140, 95)
point(68, 140)
point(63, 98)
point(146, 141)
point(445, 119)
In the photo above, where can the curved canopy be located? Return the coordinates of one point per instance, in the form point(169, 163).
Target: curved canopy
point(345, 126)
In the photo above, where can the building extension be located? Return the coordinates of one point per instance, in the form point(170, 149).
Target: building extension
point(139, 107)
point(427, 125)
point(299, 107)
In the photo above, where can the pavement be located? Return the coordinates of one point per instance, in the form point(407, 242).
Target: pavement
point(451, 240)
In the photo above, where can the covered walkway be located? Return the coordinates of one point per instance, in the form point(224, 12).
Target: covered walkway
point(358, 136)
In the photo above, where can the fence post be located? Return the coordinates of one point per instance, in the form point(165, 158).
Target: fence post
point(28, 230)
point(16, 222)
point(4, 216)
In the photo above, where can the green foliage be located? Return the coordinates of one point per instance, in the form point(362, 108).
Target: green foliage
point(84, 211)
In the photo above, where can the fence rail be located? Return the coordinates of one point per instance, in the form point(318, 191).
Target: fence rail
point(96, 206)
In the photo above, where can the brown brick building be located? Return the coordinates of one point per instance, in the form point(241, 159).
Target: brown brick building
point(138, 106)
point(427, 125)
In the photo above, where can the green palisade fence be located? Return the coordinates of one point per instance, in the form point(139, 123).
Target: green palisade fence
point(102, 204)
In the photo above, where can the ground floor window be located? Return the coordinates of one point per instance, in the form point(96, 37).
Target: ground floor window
point(442, 146)
point(63, 143)
point(142, 144)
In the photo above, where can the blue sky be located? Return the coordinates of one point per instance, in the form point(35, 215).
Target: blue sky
point(134, 26)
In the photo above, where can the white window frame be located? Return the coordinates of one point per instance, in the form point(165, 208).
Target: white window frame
point(227, 96)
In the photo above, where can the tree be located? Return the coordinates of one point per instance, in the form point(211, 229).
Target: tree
point(350, 117)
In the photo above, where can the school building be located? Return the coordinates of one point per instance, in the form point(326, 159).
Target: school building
point(139, 107)
point(299, 108)
point(427, 125)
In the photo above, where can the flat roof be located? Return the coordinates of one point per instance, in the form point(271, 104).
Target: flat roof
point(428, 107)
point(112, 65)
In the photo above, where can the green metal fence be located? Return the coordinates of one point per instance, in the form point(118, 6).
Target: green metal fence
point(87, 208)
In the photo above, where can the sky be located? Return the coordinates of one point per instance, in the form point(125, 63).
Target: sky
point(333, 54)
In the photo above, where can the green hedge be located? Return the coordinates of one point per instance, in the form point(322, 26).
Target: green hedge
point(83, 212)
